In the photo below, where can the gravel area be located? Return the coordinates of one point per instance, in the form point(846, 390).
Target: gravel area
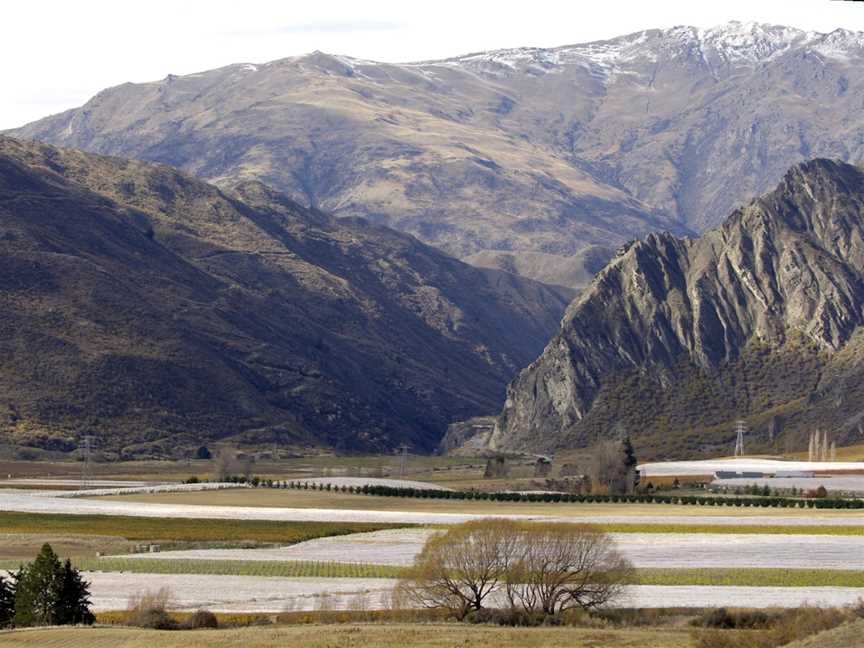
point(49, 502)
point(673, 550)
point(111, 591)
point(710, 466)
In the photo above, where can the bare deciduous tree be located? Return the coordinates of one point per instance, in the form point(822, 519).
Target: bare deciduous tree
point(458, 569)
point(563, 566)
point(542, 568)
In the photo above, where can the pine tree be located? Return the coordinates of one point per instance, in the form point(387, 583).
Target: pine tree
point(7, 602)
point(73, 603)
point(37, 587)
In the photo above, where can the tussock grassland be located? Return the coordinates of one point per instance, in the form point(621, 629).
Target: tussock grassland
point(353, 636)
point(180, 529)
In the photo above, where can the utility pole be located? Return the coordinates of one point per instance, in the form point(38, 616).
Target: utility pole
point(86, 465)
point(403, 459)
point(740, 429)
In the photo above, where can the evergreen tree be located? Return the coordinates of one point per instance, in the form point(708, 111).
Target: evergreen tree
point(73, 603)
point(7, 602)
point(630, 462)
point(37, 590)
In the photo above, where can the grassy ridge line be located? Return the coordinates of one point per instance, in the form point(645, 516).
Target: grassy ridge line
point(182, 529)
point(755, 577)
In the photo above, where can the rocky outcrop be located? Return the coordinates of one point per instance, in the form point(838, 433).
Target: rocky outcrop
point(676, 338)
point(155, 312)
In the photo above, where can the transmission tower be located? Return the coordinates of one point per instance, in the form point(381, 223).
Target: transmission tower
point(740, 429)
point(403, 459)
point(86, 465)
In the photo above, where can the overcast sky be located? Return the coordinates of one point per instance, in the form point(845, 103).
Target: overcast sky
point(57, 54)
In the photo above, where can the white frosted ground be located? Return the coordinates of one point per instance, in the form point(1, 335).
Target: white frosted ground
point(387, 547)
point(673, 550)
point(111, 591)
point(711, 466)
point(29, 502)
point(832, 483)
point(72, 483)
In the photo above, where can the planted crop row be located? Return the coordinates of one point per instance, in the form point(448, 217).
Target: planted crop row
point(568, 498)
point(736, 577)
point(182, 529)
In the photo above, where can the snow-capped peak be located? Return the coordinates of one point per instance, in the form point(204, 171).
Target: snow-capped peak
point(735, 44)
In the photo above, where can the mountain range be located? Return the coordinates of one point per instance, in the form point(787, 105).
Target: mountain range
point(760, 320)
point(536, 161)
point(155, 312)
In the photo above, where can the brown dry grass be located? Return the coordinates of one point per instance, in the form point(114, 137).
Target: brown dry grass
point(353, 636)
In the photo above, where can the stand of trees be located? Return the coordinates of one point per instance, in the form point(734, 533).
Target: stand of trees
point(45, 592)
point(535, 569)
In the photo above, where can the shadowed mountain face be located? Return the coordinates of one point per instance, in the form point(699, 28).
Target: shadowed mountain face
point(524, 156)
point(152, 310)
point(675, 339)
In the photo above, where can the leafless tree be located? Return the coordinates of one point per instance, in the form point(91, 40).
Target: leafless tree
point(224, 464)
point(563, 566)
point(458, 569)
point(543, 568)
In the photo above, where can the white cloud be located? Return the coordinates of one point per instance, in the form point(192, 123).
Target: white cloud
point(82, 47)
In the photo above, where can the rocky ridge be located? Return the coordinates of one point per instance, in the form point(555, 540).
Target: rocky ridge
point(760, 319)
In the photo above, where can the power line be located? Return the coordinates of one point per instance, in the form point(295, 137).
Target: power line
point(740, 429)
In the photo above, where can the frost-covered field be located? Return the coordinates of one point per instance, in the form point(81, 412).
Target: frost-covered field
point(832, 483)
point(111, 591)
point(679, 550)
point(49, 502)
point(373, 481)
point(673, 550)
point(711, 466)
point(73, 483)
point(389, 547)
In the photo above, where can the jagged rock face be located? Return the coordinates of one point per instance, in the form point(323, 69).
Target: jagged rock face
point(150, 309)
point(519, 156)
point(757, 314)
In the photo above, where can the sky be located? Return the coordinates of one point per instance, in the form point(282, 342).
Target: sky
point(57, 54)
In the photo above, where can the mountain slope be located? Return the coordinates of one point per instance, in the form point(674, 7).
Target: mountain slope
point(517, 152)
point(676, 338)
point(155, 312)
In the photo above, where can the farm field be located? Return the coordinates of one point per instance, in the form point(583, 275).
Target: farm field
point(309, 499)
point(833, 483)
point(747, 464)
point(673, 550)
point(727, 577)
point(26, 527)
point(227, 593)
point(353, 636)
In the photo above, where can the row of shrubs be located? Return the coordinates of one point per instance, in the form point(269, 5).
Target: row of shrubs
point(698, 500)
point(636, 498)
